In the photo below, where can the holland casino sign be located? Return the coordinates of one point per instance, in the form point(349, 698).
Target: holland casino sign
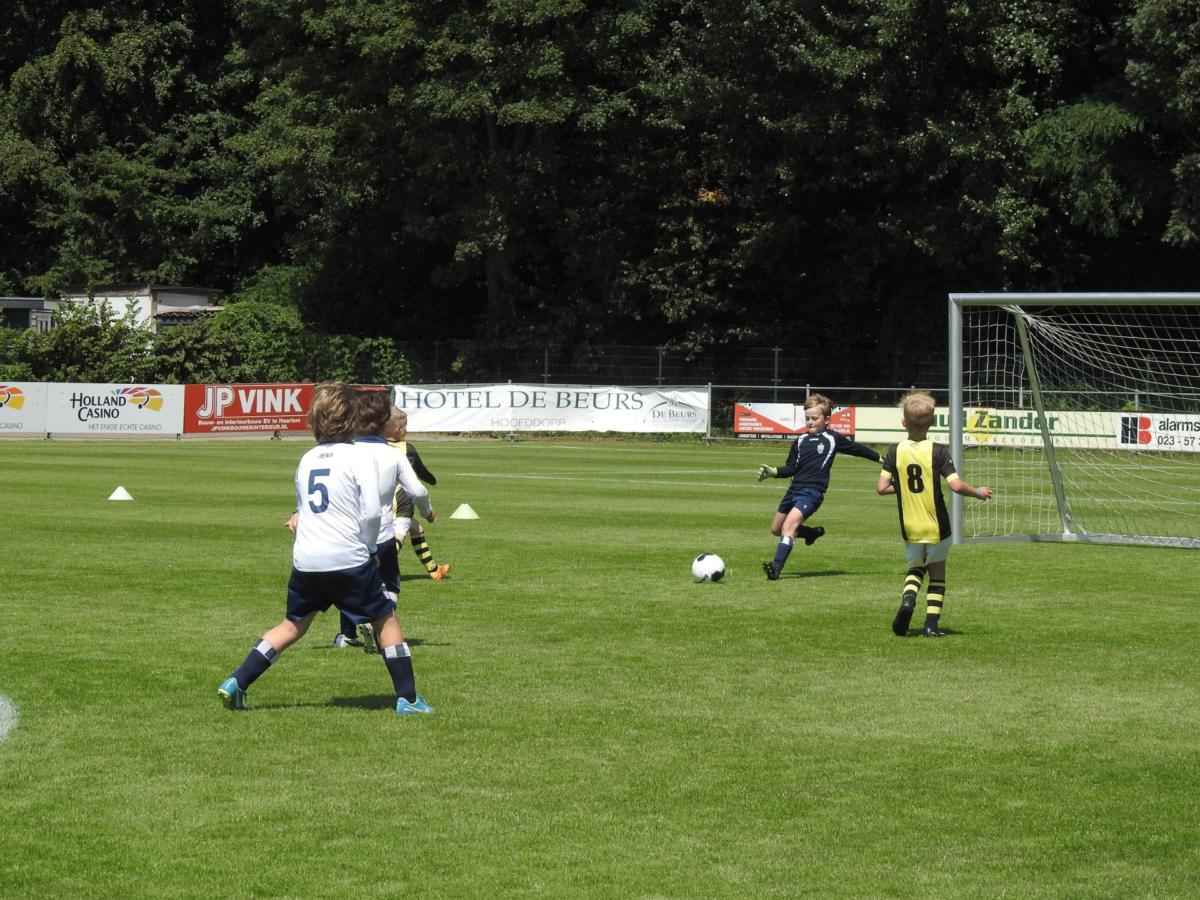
point(525, 407)
point(108, 406)
point(114, 408)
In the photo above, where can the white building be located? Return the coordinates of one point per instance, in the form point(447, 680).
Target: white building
point(156, 306)
point(27, 312)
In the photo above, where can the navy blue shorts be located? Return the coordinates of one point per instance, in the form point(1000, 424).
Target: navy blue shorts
point(807, 500)
point(357, 592)
point(389, 564)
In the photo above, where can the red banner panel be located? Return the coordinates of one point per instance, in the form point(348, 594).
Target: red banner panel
point(784, 420)
point(228, 408)
point(842, 420)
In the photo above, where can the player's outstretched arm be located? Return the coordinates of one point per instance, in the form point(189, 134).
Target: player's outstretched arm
point(767, 472)
point(961, 487)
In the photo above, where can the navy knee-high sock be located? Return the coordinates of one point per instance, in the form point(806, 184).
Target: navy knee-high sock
point(257, 661)
point(398, 660)
point(782, 549)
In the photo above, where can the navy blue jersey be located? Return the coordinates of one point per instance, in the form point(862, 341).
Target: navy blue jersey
point(811, 458)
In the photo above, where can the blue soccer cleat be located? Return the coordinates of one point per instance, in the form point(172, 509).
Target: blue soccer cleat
point(233, 696)
point(413, 708)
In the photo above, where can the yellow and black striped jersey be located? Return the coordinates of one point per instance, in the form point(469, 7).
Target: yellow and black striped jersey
point(916, 469)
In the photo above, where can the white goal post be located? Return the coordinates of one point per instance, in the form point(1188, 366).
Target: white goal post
point(1082, 412)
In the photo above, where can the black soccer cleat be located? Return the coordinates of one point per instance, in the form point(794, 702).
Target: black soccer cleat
point(903, 616)
point(772, 572)
point(933, 631)
point(814, 537)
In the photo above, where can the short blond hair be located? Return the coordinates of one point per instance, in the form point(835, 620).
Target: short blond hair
point(397, 422)
point(919, 409)
point(819, 400)
point(333, 416)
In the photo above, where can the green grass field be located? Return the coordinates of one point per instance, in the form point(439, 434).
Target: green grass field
point(605, 727)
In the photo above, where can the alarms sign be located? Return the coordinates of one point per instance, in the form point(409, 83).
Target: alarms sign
point(226, 408)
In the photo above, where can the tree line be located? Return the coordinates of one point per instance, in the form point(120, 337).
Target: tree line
point(530, 172)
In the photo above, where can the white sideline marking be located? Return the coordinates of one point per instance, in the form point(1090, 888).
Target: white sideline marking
point(8, 717)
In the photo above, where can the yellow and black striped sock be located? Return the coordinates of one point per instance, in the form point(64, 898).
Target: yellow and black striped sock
point(912, 583)
point(908, 600)
point(934, 598)
point(424, 554)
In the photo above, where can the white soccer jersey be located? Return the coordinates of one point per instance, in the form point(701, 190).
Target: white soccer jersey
point(337, 497)
point(394, 470)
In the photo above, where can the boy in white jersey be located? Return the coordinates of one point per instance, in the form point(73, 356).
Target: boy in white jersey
point(912, 470)
point(338, 503)
point(396, 475)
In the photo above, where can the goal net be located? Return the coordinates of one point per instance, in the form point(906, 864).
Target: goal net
point(1081, 412)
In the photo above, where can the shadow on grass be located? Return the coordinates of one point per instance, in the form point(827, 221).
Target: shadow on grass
point(372, 701)
point(920, 632)
point(784, 576)
point(412, 642)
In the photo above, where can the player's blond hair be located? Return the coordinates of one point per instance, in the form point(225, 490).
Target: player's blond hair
point(333, 416)
point(919, 409)
point(397, 422)
point(820, 400)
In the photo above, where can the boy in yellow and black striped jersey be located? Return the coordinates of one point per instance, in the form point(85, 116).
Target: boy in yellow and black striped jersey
point(402, 504)
point(912, 470)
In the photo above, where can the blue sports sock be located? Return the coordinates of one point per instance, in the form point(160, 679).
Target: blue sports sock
point(257, 661)
point(398, 660)
point(782, 549)
point(347, 625)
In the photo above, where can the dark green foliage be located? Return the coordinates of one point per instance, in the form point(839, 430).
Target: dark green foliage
point(89, 343)
point(247, 342)
point(685, 173)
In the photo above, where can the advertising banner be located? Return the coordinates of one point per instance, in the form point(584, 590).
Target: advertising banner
point(229, 408)
point(1072, 429)
point(22, 408)
point(1158, 431)
point(784, 420)
point(540, 407)
point(108, 409)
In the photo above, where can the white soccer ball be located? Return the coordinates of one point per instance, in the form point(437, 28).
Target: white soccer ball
point(708, 567)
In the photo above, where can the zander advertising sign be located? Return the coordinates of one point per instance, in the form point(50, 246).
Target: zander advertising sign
point(116, 409)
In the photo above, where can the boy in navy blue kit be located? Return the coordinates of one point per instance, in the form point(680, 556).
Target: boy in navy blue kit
point(808, 465)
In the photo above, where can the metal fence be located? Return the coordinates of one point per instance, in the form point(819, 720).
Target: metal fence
point(762, 368)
